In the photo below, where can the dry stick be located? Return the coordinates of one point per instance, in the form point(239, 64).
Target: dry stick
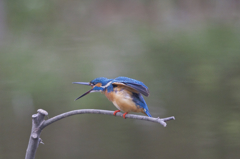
point(38, 124)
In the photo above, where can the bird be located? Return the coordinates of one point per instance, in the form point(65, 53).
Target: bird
point(124, 92)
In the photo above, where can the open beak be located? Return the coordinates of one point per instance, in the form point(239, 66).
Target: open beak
point(83, 83)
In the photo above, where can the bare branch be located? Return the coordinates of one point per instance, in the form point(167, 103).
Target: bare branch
point(106, 112)
point(38, 124)
point(34, 140)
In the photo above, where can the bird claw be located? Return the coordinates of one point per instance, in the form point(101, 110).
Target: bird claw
point(115, 112)
point(125, 115)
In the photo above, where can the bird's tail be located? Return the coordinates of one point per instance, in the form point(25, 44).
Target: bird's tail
point(147, 112)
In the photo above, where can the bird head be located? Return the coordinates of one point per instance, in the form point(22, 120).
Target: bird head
point(98, 85)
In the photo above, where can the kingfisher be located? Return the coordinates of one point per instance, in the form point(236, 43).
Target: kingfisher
point(125, 93)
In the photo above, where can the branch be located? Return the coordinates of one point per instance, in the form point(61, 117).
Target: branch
point(37, 120)
point(38, 124)
point(106, 112)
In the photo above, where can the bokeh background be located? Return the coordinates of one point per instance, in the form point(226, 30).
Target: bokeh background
point(187, 52)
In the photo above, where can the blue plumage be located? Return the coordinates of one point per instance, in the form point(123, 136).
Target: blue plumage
point(139, 100)
point(102, 80)
point(135, 84)
point(124, 92)
point(129, 80)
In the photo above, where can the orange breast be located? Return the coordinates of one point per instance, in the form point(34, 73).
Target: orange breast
point(121, 98)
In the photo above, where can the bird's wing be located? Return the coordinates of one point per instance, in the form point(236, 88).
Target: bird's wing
point(134, 84)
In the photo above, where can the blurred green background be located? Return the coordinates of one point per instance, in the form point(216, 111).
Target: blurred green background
point(186, 52)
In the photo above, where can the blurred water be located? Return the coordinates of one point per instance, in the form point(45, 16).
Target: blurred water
point(184, 52)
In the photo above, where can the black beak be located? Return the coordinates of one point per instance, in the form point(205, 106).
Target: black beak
point(84, 94)
point(83, 83)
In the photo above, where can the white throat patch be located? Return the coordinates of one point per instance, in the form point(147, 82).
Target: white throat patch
point(108, 84)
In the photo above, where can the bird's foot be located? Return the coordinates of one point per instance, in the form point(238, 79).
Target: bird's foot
point(115, 112)
point(124, 115)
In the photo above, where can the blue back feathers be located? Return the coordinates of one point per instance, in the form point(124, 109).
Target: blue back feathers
point(129, 82)
point(135, 84)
